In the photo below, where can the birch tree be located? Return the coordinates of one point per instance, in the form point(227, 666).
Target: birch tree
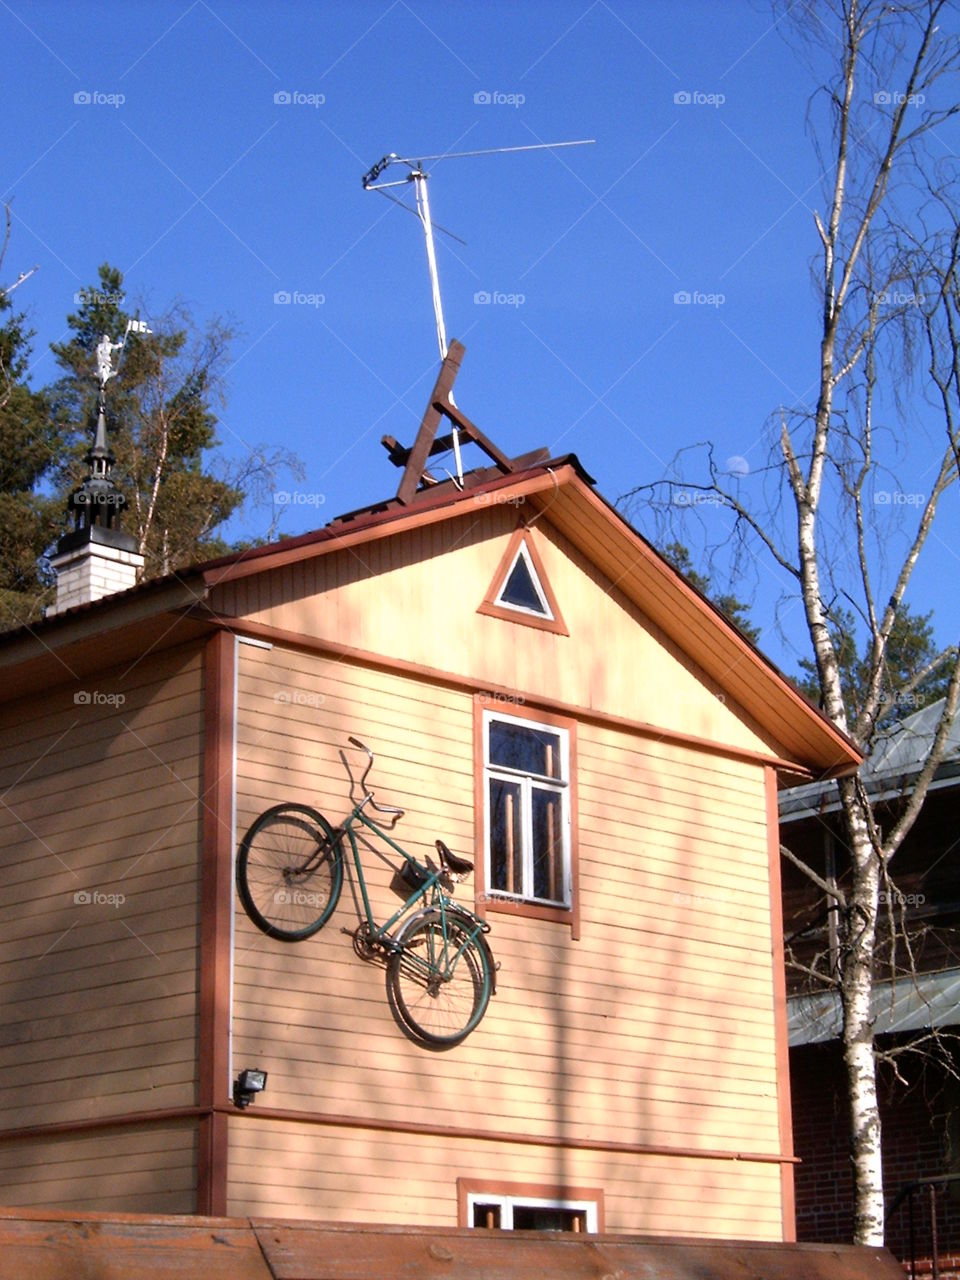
point(836, 522)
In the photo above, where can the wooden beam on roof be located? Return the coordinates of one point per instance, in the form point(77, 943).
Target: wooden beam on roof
point(440, 396)
point(440, 405)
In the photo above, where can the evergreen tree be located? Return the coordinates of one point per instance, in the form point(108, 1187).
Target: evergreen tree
point(734, 610)
point(29, 449)
point(911, 678)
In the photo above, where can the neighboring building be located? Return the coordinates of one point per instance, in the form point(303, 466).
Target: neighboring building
point(630, 1072)
point(920, 1115)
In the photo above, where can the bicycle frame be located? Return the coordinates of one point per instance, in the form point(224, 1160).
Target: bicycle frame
point(431, 886)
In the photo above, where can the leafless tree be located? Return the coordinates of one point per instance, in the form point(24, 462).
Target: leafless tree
point(833, 518)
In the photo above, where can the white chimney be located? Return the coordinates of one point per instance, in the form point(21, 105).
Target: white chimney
point(96, 558)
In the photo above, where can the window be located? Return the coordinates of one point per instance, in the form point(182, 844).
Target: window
point(513, 1207)
point(521, 587)
point(526, 796)
point(520, 591)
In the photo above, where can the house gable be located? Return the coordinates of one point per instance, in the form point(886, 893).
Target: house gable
point(416, 592)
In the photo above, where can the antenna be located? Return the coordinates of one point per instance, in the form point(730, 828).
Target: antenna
point(24, 275)
point(418, 176)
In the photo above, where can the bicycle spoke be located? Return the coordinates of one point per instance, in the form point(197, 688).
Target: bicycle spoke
point(439, 980)
point(289, 872)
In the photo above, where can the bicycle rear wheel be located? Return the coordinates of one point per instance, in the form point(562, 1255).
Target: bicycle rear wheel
point(290, 872)
point(440, 979)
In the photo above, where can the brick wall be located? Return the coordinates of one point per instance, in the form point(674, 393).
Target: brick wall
point(916, 1123)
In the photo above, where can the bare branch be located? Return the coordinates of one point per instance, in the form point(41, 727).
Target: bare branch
point(831, 890)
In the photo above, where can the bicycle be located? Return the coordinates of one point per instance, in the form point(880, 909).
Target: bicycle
point(440, 970)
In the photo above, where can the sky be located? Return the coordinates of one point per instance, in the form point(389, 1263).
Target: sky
point(620, 300)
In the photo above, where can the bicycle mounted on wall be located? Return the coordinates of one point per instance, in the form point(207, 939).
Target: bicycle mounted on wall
point(440, 970)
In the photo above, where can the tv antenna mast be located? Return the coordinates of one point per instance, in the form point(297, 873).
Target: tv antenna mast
point(419, 176)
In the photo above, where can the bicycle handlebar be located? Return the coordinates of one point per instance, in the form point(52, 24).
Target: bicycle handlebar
point(381, 808)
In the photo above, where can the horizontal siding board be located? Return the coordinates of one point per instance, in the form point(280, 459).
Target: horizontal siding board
point(357, 1175)
point(98, 995)
point(655, 1027)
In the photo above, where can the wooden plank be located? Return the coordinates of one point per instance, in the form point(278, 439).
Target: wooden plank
point(324, 1252)
point(51, 1246)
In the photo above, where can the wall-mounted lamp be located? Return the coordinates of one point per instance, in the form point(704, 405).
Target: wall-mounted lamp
point(247, 1085)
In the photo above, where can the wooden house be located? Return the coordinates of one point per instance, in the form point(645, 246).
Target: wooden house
point(629, 1074)
point(916, 992)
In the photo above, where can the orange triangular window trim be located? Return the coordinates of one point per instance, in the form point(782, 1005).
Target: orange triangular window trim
point(520, 591)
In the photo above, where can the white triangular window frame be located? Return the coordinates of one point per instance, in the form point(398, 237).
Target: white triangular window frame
point(523, 553)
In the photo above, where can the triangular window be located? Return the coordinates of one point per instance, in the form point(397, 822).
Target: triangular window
point(520, 591)
point(521, 588)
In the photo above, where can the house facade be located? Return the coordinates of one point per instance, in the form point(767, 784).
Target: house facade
point(629, 1074)
point(919, 1100)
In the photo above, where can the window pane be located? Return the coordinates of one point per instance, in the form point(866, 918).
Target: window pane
point(547, 846)
point(506, 866)
point(546, 1218)
point(486, 1215)
point(535, 751)
point(520, 589)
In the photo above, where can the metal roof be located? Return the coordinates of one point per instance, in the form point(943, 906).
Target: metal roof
point(897, 757)
point(915, 1004)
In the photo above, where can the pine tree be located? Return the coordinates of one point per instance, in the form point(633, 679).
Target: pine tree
point(29, 447)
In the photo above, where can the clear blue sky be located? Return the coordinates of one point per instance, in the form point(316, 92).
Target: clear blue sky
point(200, 185)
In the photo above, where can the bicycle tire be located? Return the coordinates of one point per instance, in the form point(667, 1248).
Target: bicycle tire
point(279, 896)
point(439, 1009)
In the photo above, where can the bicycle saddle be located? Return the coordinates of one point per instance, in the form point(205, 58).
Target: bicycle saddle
point(450, 861)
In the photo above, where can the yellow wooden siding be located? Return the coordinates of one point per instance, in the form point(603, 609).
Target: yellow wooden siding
point(145, 1170)
point(359, 1175)
point(656, 1027)
point(415, 596)
point(99, 866)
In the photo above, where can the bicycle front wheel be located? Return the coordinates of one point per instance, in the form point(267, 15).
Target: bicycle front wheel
point(439, 979)
point(290, 872)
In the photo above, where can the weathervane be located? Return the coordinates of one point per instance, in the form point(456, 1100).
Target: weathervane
point(106, 348)
point(418, 176)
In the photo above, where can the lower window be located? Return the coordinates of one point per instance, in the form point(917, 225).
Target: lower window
point(502, 1207)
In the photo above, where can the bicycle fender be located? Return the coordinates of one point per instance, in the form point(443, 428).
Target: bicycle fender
point(455, 909)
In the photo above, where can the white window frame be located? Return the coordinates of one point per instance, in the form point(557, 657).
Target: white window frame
point(544, 611)
point(527, 784)
point(507, 1203)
